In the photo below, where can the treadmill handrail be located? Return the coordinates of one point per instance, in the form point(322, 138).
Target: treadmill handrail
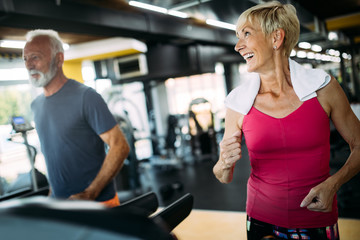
point(147, 202)
point(176, 212)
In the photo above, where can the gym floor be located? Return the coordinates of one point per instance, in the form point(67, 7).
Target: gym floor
point(170, 183)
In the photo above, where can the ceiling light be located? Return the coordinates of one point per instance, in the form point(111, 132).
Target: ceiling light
point(148, 6)
point(318, 56)
point(346, 56)
point(219, 68)
point(325, 57)
point(66, 46)
point(301, 54)
point(177, 14)
point(333, 52)
point(14, 74)
point(21, 44)
point(221, 24)
point(316, 48)
point(310, 55)
point(293, 53)
point(336, 59)
point(12, 44)
point(304, 45)
point(333, 36)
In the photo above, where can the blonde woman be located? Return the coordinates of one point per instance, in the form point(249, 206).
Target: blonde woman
point(284, 114)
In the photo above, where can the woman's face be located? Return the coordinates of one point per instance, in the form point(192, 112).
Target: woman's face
point(254, 46)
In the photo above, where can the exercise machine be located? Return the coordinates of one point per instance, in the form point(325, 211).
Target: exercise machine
point(202, 131)
point(33, 182)
point(44, 218)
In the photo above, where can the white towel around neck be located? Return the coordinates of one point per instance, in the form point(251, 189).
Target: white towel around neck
point(305, 83)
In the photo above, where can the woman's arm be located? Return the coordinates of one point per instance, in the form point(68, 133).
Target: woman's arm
point(230, 147)
point(335, 103)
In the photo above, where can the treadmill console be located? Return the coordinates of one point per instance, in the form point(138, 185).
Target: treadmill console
point(19, 124)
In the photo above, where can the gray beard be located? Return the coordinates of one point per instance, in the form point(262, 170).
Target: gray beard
point(45, 78)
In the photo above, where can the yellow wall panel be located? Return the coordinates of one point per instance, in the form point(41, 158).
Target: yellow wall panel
point(72, 69)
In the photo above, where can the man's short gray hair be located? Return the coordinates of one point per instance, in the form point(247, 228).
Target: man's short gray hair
point(55, 41)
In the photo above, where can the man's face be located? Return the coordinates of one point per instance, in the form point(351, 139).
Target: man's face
point(39, 62)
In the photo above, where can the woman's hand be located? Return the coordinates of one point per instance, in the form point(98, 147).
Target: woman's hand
point(230, 153)
point(230, 150)
point(320, 198)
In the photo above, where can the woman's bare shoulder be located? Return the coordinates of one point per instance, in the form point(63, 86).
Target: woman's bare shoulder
point(329, 94)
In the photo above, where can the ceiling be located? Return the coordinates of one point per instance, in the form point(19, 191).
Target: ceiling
point(80, 21)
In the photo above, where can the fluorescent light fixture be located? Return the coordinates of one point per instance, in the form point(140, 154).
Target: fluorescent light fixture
point(304, 45)
point(301, 54)
point(14, 74)
point(333, 52)
point(12, 44)
point(310, 55)
point(66, 46)
point(293, 53)
point(333, 36)
point(336, 59)
point(346, 56)
point(219, 68)
point(221, 24)
point(148, 6)
point(316, 48)
point(325, 57)
point(21, 44)
point(177, 14)
point(318, 56)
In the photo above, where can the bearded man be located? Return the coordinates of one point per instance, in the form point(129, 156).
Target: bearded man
point(73, 123)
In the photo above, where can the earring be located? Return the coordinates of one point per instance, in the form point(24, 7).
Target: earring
point(274, 47)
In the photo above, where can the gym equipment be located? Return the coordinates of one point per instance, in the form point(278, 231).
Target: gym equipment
point(201, 124)
point(128, 178)
point(33, 182)
point(21, 126)
point(44, 218)
point(147, 202)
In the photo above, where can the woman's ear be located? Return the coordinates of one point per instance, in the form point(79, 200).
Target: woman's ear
point(278, 38)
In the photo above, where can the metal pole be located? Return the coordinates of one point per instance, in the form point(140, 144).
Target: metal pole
point(32, 162)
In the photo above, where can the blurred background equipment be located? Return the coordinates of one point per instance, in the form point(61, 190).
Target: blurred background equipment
point(201, 124)
point(29, 183)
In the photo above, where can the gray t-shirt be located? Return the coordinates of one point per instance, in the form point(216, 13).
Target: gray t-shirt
point(68, 124)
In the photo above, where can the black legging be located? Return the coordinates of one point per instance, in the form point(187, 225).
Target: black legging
point(257, 230)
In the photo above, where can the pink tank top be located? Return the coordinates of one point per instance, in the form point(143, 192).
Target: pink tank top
point(288, 157)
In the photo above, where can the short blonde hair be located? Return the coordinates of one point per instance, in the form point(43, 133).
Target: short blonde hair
point(274, 15)
point(56, 44)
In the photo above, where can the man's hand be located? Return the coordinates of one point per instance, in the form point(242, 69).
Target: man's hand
point(85, 195)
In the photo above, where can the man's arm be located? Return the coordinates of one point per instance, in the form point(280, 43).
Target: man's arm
point(119, 150)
